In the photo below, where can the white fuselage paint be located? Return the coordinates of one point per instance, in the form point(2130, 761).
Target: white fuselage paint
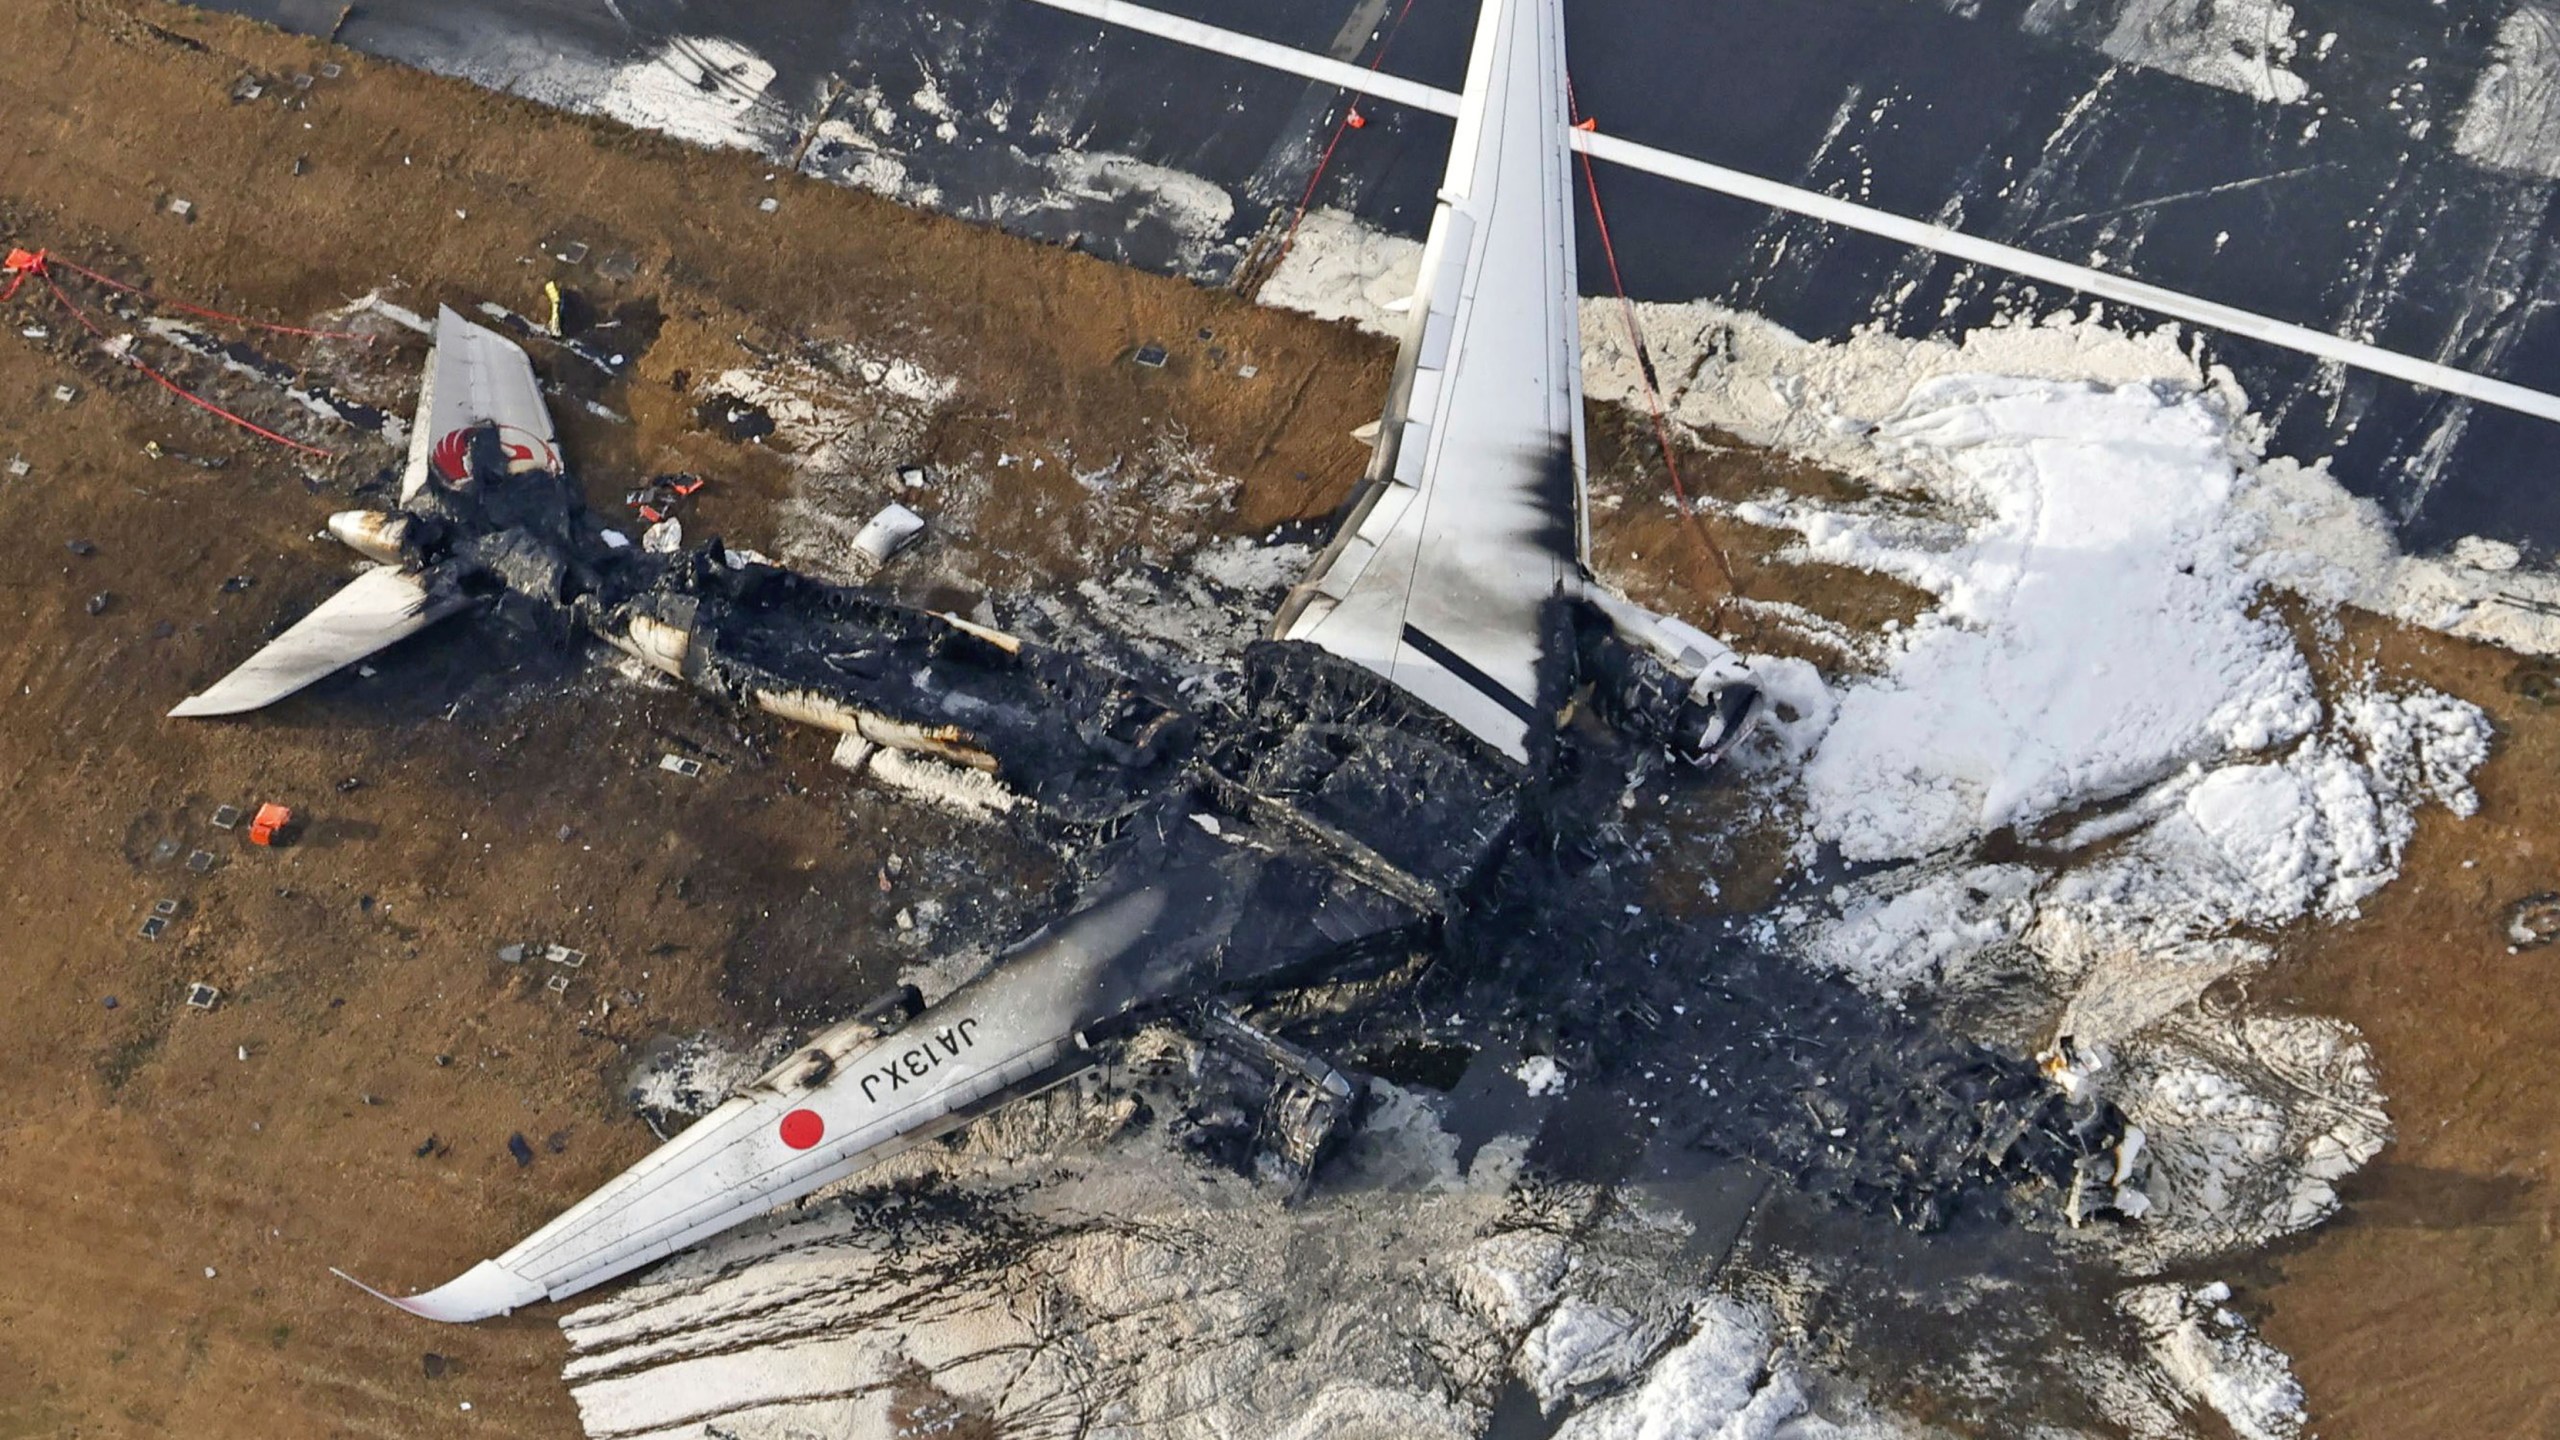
point(1851, 216)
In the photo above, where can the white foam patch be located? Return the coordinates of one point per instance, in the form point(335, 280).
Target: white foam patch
point(1717, 1382)
point(1064, 1275)
point(2094, 630)
point(1339, 269)
point(2243, 46)
point(1195, 210)
point(2512, 120)
point(2208, 1352)
point(704, 90)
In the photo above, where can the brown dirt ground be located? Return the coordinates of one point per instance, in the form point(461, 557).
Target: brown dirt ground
point(2431, 1306)
point(139, 1151)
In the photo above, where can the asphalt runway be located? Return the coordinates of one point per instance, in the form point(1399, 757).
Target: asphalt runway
point(2377, 169)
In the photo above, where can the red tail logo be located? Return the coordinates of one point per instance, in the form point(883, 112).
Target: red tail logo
point(525, 451)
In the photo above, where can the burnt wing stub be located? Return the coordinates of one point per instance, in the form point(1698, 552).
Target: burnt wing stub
point(1084, 743)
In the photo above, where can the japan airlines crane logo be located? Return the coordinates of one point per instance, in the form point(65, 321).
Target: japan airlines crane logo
point(525, 453)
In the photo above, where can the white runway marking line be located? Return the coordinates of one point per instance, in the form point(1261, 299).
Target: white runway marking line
point(1848, 215)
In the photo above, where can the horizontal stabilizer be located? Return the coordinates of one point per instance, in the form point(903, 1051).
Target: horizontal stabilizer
point(376, 610)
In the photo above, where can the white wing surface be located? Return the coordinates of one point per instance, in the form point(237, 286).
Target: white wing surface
point(1471, 519)
point(376, 610)
point(843, 1102)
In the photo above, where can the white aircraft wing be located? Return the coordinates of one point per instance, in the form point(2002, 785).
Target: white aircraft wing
point(1471, 520)
point(376, 610)
point(843, 1102)
point(476, 377)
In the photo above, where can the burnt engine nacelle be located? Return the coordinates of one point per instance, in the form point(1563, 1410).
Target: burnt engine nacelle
point(1665, 681)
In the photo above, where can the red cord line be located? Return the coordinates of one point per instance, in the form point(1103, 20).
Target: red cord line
point(1351, 120)
point(1644, 370)
point(40, 266)
point(221, 315)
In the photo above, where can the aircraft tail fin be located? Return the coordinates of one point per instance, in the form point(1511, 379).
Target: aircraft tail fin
point(375, 610)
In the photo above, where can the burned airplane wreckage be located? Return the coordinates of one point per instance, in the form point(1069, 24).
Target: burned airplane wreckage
point(1410, 794)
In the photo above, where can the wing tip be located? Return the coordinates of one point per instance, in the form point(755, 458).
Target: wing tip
point(486, 1290)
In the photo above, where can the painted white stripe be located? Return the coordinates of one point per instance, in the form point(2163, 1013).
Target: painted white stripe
point(1813, 204)
point(1322, 68)
point(2077, 277)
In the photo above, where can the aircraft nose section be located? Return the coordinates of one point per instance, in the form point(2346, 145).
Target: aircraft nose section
point(486, 1289)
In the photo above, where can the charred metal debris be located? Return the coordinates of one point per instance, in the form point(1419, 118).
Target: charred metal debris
point(1325, 829)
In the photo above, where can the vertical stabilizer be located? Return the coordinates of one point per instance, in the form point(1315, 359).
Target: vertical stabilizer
point(476, 377)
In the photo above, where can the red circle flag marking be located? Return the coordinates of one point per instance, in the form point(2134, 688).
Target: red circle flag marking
point(802, 1129)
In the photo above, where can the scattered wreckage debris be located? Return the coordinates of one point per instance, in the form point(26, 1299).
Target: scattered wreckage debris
point(272, 825)
point(1325, 823)
point(1423, 761)
point(21, 266)
point(2534, 921)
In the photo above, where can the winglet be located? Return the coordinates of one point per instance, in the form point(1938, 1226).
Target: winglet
point(486, 1289)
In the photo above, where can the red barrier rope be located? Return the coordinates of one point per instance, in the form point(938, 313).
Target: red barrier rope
point(1644, 365)
point(1352, 119)
point(21, 264)
point(221, 315)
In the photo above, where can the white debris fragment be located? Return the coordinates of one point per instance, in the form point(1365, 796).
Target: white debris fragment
point(1541, 1075)
point(614, 539)
point(892, 530)
point(955, 788)
point(852, 753)
point(664, 538)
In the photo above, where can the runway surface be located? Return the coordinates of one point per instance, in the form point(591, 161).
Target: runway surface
point(2379, 170)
